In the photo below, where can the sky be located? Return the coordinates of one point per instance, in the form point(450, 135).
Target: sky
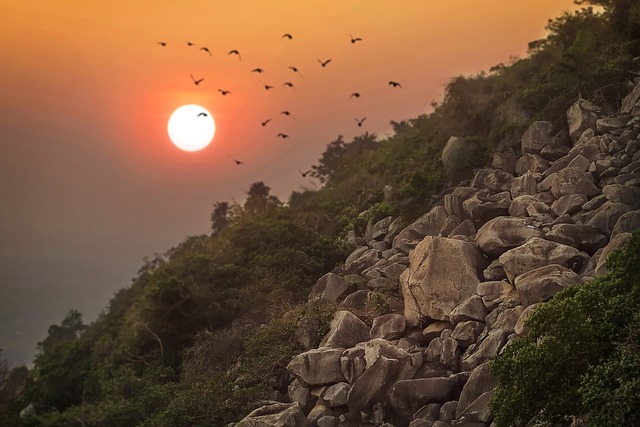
point(90, 183)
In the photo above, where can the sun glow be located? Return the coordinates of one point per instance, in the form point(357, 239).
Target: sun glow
point(191, 127)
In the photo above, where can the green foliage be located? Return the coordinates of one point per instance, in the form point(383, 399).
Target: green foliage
point(577, 340)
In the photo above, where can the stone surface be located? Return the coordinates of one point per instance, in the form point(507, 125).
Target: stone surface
point(346, 331)
point(542, 283)
point(455, 151)
point(615, 243)
point(466, 333)
point(407, 396)
point(521, 326)
point(524, 185)
point(505, 161)
point(536, 137)
point(583, 237)
point(607, 215)
point(581, 116)
point(390, 326)
point(480, 381)
point(572, 181)
point(335, 395)
point(331, 287)
point(470, 309)
point(275, 414)
point(493, 180)
point(433, 285)
point(627, 194)
point(428, 224)
point(629, 102)
point(503, 233)
point(482, 208)
point(485, 351)
point(531, 163)
point(434, 329)
point(569, 204)
point(318, 366)
point(627, 223)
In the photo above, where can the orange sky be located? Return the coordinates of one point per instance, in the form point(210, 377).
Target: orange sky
point(89, 180)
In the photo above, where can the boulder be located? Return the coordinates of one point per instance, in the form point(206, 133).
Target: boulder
point(542, 283)
point(448, 411)
point(615, 243)
point(442, 273)
point(320, 411)
point(606, 216)
point(569, 204)
point(307, 331)
point(630, 101)
point(505, 316)
point(470, 309)
point(332, 288)
point(360, 260)
point(518, 206)
point(357, 300)
point(504, 233)
point(627, 223)
point(480, 381)
point(504, 161)
point(581, 116)
point(318, 366)
point(346, 331)
point(407, 396)
point(389, 326)
point(466, 228)
point(524, 185)
point(275, 414)
point(536, 137)
point(493, 180)
point(428, 224)
point(335, 395)
point(608, 124)
point(478, 411)
point(433, 330)
point(429, 412)
point(455, 151)
point(467, 333)
point(481, 208)
point(537, 252)
point(485, 351)
point(521, 327)
point(558, 147)
point(531, 163)
point(449, 225)
point(627, 194)
point(494, 271)
point(581, 236)
point(572, 181)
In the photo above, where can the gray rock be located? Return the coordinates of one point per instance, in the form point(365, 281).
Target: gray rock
point(504, 161)
point(307, 331)
point(428, 224)
point(382, 283)
point(331, 287)
point(480, 381)
point(626, 194)
point(433, 284)
point(356, 301)
point(466, 228)
point(531, 163)
point(335, 395)
point(521, 327)
point(450, 353)
point(448, 411)
point(493, 180)
point(494, 271)
point(455, 151)
point(360, 260)
point(505, 317)
point(615, 243)
point(607, 124)
point(627, 223)
point(537, 136)
point(478, 410)
point(470, 309)
point(321, 411)
point(569, 204)
point(318, 366)
point(583, 237)
point(629, 102)
point(572, 181)
point(389, 326)
point(524, 185)
point(485, 351)
point(346, 331)
point(300, 394)
point(407, 396)
point(559, 146)
point(581, 116)
point(494, 292)
point(518, 206)
point(352, 363)
point(275, 414)
point(504, 233)
point(606, 216)
point(482, 208)
point(433, 330)
point(328, 421)
point(429, 412)
point(538, 252)
point(542, 283)
point(467, 333)
point(449, 225)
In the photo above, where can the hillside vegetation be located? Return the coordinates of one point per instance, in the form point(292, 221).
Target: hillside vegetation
point(205, 330)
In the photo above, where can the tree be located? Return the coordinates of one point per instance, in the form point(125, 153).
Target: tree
point(220, 216)
point(258, 197)
point(70, 329)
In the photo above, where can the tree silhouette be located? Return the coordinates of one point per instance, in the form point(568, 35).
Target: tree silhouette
point(258, 197)
point(220, 216)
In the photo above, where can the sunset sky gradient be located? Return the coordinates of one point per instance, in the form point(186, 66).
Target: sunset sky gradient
point(89, 181)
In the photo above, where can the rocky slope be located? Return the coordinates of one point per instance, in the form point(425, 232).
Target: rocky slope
point(465, 276)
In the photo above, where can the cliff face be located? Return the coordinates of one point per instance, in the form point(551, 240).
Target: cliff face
point(462, 279)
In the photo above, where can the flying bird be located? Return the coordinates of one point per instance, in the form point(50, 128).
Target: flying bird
point(355, 95)
point(286, 113)
point(202, 114)
point(267, 87)
point(235, 52)
point(197, 82)
point(162, 43)
point(394, 84)
point(289, 84)
point(283, 135)
point(257, 70)
point(189, 44)
point(238, 162)
point(206, 49)
point(360, 121)
point(355, 39)
point(295, 70)
point(265, 122)
point(304, 174)
point(324, 63)
point(224, 92)
point(287, 36)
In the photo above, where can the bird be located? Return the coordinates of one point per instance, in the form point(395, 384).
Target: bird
point(197, 82)
point(355, 39)
point(238, 162)
point(287, 36)
point(283, 135)
point(360, 121)
point(265, 122)
point(235, 52)
point(355, 95)
point(224, 92)
point(295, 70)
point(202, 114)
point(286, 113)
point(189, 44)
point(162, 43)
point(267, 87)
point(324, 63)
point(289, 84)
point(304, 174)
point(206, 49)
point(394, 84)
point(257, 70)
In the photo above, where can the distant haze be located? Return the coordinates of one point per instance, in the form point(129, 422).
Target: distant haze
point(89, 182)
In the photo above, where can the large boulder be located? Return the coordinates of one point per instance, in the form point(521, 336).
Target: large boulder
point(581, 236)
point(630, 102)
point(503, 233)
point(275, 414)
point(482, 208)
point(480, 381)
point(442, 273)
point(581, 116)
point(407, 396)
point(537, 252)
point(318, 366)
point(542, 283)
point(428, 224)
point(455, 151)
point(390, 326)
point(627, 223)
point(531, 163)
point(493, 180)
point(607, 215)
point(572, 181)
point(346, 331)
point(470, 309)
point(524, 185)
point(615, 243)
point(485, 351)
point(536, 137)
point(332, 288)
point(627, 194)
point(569, 204)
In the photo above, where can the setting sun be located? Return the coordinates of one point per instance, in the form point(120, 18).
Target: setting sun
point(191, 128)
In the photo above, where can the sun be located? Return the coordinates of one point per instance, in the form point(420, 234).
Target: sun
point(191, 127)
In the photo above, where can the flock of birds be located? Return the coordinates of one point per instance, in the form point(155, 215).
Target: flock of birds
point(323, 63)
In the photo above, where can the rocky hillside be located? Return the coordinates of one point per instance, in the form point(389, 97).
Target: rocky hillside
point(462, 280)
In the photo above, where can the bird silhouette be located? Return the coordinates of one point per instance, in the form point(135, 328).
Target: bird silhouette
point(289, 84)
point(355, 95)
point(394, 84)
point(257, 70)
point(287, 36)
point(265, 122)
point(202, 114)
point(267, 87)
point(206, 49)
point(238, 162)
point(286, 113)
point(324, 63)
point(360, 121)
point(189, 44)
point(283, 135)
point(304, 174)
point(224, 92)
point(295, 70)
point(197, 82)
point(162, 43)
point(355, 39)
point(235, 52)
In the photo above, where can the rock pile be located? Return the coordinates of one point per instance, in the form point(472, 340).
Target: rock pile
point(469, 273)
